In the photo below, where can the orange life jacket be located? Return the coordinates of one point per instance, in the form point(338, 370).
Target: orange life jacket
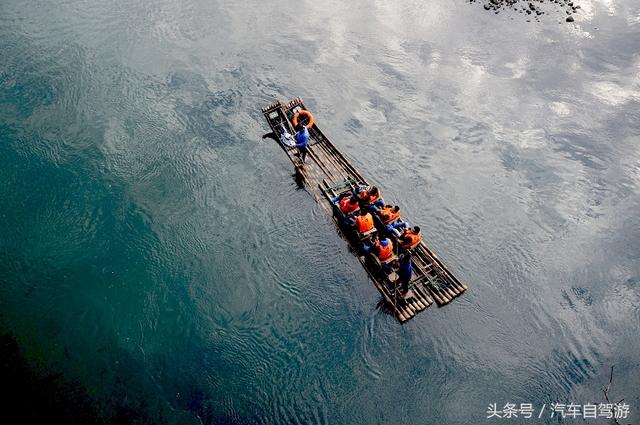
point(410, 239)
point(388, 215)
point(384, 252)
point(368, 198)
point(364, 223)
point(347, 207)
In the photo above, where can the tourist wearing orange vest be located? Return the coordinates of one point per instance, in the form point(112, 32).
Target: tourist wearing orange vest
point(364, 222)
point(389, 214)
point(348, 204)
point(371, 197)
point(383, 249)
point(411, 237)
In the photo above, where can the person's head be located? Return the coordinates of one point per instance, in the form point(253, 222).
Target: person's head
point(300, 127)
point(353, 200)
point(384, 242)
point(396, 208)
point(363, 212)
point(374, 191)
point(416, 229)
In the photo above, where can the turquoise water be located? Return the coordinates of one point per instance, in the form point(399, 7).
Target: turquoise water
point(156, 252)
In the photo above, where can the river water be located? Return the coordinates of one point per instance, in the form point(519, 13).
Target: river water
point(156, 253)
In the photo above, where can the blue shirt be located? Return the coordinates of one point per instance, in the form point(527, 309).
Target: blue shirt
point(405, 271)
point(302, 138)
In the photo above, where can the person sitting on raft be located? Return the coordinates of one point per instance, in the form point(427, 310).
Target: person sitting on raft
point(364, 222)
point(348, 205)
point(302, 141)
point(383, 249)
point(371, 197)
point(411, 237)
point(389, 214)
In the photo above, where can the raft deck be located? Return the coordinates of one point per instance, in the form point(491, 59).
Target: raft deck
point(327, 173)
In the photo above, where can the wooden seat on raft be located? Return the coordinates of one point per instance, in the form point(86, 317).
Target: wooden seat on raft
point(389, 260)
point(367, 233)
point(384, 262)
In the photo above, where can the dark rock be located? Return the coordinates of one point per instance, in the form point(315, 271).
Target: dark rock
point(570, 19)
point(534, 8)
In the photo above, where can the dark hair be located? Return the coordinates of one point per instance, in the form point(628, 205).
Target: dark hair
point(416, 229)
point(363, 212)
point(353, 200)
point(373, 191)
point(396, 208)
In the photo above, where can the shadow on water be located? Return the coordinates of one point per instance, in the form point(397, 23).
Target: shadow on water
point(40, 398)
point(299, 179)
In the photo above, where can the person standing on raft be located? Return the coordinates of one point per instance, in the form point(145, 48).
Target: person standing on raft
point(405, 273)
point(302, 141)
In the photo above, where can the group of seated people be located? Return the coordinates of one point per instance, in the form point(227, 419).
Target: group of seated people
point(359, 208)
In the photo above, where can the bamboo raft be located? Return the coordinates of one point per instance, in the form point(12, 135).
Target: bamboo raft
point(326, 173)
